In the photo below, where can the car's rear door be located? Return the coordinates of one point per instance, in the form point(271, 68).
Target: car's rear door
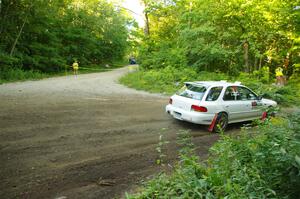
point(254, 106)
point(237, 109)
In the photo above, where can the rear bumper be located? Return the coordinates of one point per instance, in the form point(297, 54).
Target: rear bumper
point(189, 116)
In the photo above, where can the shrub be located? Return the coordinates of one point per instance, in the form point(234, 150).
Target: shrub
point(261, 162)
point(16, 74)
point(170, 79)
point(7, 61)
point(167, 80)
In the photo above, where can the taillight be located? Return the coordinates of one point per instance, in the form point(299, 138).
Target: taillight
point(170, 101)
point(199, 108)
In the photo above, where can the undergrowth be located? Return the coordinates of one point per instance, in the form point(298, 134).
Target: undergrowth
point(10, 75)
point(18, 74)
point(170, 79)
point(260, 162)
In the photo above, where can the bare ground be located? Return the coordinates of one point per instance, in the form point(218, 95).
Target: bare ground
point(83, 137)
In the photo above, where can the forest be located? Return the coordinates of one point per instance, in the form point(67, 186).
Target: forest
point(205, 35)
point(45, 36)
point(227, 36)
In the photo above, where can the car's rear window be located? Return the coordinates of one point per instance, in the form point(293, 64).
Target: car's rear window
point(214, 93)
point(192, 91)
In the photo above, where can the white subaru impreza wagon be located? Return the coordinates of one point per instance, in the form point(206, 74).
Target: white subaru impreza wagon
point(217, 103)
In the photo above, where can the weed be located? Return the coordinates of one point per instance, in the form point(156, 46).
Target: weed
point(161, 144)
point(18, 74)
point(260, 162)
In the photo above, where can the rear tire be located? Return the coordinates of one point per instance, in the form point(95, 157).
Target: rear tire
point(221, 123)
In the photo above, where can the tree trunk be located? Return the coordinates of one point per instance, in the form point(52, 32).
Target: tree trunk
point(18, 36)
point(190, 14)
point(255, 63)
point(147, 29)
point(260, 62)
point(246, 55)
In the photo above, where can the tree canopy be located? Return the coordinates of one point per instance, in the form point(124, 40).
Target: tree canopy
point(48, 35)
point(224, 35)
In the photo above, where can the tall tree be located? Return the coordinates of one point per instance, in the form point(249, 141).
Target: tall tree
point(47, 35)
point(230, 36)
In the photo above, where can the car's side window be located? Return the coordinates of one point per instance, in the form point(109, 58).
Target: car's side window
point(231, 93)
point(214, 93)
point(245, 94)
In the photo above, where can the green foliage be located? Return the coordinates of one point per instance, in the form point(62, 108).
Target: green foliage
point(168, 80)
point(261, 162)
point(7, 62)
point(262, 74)
point(228, 36)
point(160, 148)
point(164, 57)
point(17, 74)
point(47, 36)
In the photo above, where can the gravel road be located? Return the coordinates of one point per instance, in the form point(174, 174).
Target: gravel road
point(83, 137)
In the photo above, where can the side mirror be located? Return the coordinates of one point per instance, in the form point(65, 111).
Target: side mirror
point(259, 97)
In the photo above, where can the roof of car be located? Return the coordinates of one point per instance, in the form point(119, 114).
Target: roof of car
point(215, 83)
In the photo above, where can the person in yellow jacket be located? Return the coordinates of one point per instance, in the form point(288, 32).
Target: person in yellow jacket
point(75, 67)
point(279, 76)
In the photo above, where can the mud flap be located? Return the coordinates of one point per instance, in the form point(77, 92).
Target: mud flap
point(264, 116)
point(213, 123)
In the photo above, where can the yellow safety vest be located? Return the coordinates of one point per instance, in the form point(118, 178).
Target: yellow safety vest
point(75, 66)
point(278, 72)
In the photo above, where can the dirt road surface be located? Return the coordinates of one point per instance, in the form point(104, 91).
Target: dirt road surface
point(83, 137)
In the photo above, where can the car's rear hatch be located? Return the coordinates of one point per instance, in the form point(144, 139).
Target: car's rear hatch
point(183, 102)
point(190, 94)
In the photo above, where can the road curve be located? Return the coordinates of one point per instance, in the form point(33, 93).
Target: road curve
point(83, 137)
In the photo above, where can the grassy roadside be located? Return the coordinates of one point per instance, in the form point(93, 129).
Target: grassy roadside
point(168, 80)
point(14, 75)
point(259, 162)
